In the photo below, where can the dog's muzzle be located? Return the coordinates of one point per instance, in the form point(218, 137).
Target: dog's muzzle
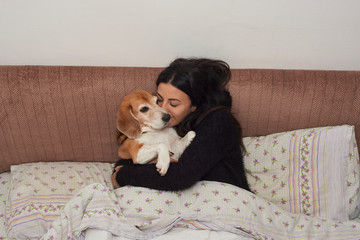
point(166, 118)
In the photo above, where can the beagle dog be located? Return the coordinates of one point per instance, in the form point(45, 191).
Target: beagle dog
point(143, 132)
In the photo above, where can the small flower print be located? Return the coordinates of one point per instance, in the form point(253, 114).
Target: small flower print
point(273, 193)
point(204, 184)
point(348, 183)
point(215, 192)
point(187, 205)
point(227, 200)
point(274, 177)
point(217, 208)
point(317, 226)
point(138, 210)
point(159, 211)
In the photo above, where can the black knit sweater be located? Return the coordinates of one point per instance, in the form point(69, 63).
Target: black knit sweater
point(213, 155)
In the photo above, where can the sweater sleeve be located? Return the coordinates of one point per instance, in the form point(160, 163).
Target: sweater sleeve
point(212, 137)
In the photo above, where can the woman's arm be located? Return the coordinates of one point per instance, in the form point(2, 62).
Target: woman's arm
point(213, 135)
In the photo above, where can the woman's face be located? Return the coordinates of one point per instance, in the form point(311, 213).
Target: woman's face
point(175, 102)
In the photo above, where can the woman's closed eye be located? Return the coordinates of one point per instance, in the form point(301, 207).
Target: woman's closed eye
point(160, 102)
point(172, 103)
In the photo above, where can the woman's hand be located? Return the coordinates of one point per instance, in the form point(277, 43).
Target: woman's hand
point(113, 177)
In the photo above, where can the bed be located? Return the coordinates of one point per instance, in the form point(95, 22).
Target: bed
point(58, 146)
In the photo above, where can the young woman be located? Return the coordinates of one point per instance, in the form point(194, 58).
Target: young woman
point(193, 92)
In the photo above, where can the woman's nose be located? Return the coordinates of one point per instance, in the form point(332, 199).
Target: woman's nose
point(165, 106)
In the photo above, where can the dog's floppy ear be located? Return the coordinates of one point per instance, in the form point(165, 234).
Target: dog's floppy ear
point(127, 123)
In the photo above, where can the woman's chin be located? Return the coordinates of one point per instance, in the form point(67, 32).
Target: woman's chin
point(170, 125)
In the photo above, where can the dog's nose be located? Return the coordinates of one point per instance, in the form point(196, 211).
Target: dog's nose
point(166, 117)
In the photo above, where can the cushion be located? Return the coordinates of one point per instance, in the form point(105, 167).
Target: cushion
point(310, 171)
point(4, 187)
point(39, 191)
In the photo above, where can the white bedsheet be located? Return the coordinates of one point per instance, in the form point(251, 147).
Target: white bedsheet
point(247, 213)
point(96, 234)
point(173, 234)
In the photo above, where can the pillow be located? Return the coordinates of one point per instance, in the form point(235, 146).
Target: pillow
point(310, 171)
point(4, 187)
point(39, 191)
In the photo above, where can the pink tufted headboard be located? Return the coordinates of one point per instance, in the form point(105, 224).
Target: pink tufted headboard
point(52, 113)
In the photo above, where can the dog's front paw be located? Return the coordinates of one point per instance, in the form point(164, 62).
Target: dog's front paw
point(162, 167)
point(163, 161)
point(189, 137)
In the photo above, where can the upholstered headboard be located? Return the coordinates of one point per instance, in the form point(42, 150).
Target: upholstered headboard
point(52, 113)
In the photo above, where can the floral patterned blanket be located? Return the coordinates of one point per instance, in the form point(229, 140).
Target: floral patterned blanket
point(142, 213)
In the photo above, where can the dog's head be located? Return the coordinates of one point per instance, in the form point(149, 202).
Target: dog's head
point(138, 111)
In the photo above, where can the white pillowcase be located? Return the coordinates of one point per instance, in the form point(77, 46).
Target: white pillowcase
point(39, 191)
point(4, 189)
point(311, 171)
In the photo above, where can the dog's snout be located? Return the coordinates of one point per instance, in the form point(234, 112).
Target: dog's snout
point(166, 117)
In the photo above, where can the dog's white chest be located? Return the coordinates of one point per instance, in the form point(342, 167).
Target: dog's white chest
point(167, 136)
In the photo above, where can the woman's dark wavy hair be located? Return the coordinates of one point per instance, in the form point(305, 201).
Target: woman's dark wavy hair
point(204, 81)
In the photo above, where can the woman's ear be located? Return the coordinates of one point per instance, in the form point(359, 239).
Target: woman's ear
point(193, 108)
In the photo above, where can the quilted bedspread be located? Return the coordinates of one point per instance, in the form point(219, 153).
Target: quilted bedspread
point(142, 213)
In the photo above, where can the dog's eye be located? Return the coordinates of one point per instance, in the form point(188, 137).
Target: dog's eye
point(144, 109)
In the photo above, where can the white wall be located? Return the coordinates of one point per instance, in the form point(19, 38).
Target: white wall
point(292, 34)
